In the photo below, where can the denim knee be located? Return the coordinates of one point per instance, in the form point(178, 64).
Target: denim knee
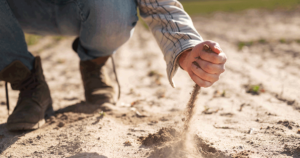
point(106, 25)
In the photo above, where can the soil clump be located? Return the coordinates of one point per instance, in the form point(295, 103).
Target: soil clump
point(168, 143)
point(162, 136)
point(170, 150)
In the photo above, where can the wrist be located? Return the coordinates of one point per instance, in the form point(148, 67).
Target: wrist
point(182, 59)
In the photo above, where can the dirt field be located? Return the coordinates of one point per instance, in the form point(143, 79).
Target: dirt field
point(233, 119)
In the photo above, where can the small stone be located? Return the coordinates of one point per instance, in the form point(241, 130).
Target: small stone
point(251, 131)
point(138, 114)
point(127, 143)
point(163, 119)
point(38, 137)
point(60, 124)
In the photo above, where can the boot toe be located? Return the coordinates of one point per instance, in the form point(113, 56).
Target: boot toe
point(26, 118)
point(99, 97)
point(24, 126)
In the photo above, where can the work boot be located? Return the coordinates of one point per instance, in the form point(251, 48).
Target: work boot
point(34, 102)
point(96, 82)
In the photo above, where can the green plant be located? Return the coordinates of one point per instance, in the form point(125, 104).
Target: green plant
point(242, 44)
point(282, 40)
point(102, 113)
point(223, 94)
point(262, 41)
point(255, 88)
point(58, 38)
point(32, 39)
point(210, 6)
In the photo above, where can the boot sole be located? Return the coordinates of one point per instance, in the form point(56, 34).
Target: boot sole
point(31, 126)
point(25, 126)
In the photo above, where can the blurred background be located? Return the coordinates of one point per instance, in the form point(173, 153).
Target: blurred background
point(198, 7)
point(206, 7)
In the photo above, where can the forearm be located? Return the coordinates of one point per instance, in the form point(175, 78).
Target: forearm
point(172, 28)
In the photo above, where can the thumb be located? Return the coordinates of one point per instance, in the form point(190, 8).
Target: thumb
point(216, 49)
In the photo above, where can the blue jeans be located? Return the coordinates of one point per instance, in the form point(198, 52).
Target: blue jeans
point(101, 25)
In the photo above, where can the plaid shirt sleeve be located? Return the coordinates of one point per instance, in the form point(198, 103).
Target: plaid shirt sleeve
point(173, 29)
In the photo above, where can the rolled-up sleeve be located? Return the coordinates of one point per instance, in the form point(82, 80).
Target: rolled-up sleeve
point(172, 28)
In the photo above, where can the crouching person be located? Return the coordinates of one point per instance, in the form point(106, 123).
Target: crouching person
point(102, 27)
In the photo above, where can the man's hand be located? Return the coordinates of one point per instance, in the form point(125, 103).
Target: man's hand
point(211, 65)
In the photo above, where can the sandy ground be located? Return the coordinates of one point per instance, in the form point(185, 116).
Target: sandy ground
point(229, 121)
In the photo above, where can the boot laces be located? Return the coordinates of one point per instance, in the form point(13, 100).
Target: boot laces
point(94, 72)
point(26, 89)
point(7, 98)
point(116, 76)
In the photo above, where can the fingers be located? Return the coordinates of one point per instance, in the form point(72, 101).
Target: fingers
point(211, 68)
point(199, 81)
point(206, 66)
point(213, 57)
point(218, 57)
point(204, 75)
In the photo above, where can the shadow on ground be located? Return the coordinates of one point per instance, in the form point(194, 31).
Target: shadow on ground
point(90, 155)
point(68, 114)
point(81, 107)
point(8, 138)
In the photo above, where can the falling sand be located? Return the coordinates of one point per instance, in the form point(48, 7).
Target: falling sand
point(173, 143)
point(190, 109)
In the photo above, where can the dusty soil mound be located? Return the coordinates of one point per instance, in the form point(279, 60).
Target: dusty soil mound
point(171, 150)
point(243, 154)
point(288, 124)
point(207, 149)
point(292, 150)
point(195, 148)
point(162, 136)
point(168, 143)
